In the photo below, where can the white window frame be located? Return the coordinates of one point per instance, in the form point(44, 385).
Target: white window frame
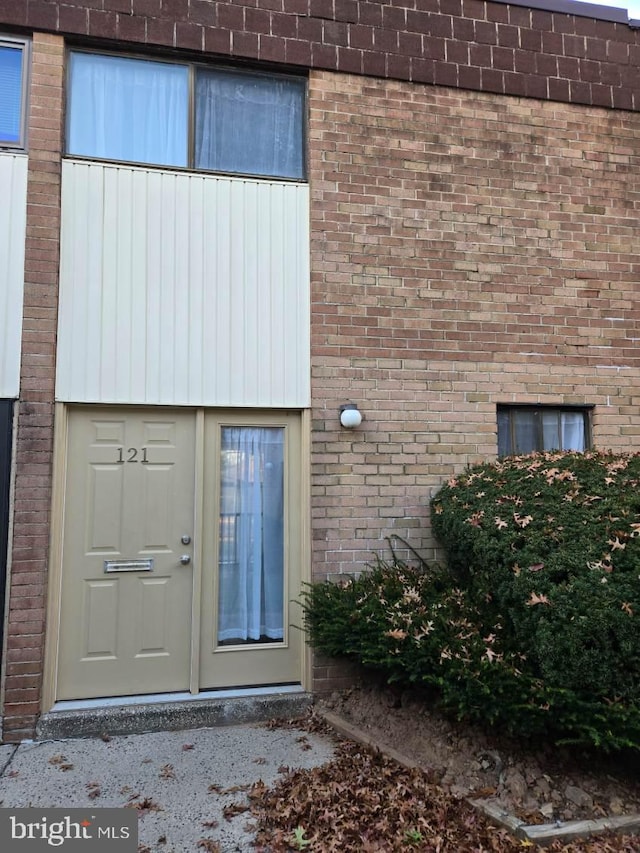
point(24, 44)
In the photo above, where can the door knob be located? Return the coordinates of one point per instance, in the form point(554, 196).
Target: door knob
point(185, 559)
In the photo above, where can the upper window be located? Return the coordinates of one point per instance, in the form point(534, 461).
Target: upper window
point(525, 429)
point(13, 65)
point(172, 114)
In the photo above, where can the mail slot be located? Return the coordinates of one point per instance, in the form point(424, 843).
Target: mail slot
point(128, 565)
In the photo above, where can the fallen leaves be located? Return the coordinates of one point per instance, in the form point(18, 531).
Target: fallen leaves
point(366, 802)
point(536, 598)
point(167, 772)
point(61, 762)
point(209, 845)
point(234, 789)
point(396, 634)
point(143, 806)
point(93, 790)
point(234, 809)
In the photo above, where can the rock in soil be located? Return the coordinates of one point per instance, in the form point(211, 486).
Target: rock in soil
point(538, 783)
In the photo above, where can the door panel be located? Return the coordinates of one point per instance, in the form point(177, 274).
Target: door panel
point(253, 555)
point(126, 597)
point(101, 607)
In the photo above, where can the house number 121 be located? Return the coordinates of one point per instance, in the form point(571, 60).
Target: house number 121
point(131, 455)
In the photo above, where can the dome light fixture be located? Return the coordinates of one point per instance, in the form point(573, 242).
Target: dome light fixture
point(350, 416)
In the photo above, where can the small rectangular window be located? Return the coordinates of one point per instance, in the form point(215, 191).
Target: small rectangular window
point(185, 115)
point(13, 65)
point(525, 429)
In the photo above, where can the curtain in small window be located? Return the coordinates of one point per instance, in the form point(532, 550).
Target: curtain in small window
point(504, 433)
point(249, 123)
point(551, 438)
point(10, 93)
point(128, 109)
point(572, 430)
point(525, 432)
point(563, 431)
point(251, 553)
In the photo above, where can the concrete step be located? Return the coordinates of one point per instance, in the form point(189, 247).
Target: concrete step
point(169, 712)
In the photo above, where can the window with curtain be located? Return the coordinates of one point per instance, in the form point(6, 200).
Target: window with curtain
point(12, 92)
point(525, 429)
point(251, 529)
point(185, 115)
point(128, 109)
point(249, 123)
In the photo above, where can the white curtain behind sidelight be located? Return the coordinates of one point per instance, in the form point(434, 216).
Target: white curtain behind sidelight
point(251, 555)
point(128, 109)
point(249, 123)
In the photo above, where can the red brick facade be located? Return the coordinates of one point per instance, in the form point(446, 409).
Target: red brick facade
point(34, 447)
point(472, 244)
point(491, 47)
point(467, 250)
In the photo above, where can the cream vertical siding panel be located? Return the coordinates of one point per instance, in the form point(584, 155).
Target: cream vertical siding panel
point(183, 289)
point(13, 183)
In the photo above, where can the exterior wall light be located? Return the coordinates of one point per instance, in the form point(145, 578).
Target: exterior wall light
point(350, 417)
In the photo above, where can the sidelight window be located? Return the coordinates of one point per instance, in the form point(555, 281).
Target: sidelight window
point(251, 550)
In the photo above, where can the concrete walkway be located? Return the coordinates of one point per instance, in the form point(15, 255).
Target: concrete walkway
point(184, 778)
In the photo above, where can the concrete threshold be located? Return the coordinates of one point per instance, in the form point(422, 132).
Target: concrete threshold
point(170, 712)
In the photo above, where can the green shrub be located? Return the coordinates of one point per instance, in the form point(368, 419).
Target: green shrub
point(533, 624)
point(411, 623)
point(552, 543)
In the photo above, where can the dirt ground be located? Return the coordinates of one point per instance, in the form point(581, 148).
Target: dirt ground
point(539, 783)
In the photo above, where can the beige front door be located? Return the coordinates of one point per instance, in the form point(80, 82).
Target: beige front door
point(126, 596)
point(182, 552)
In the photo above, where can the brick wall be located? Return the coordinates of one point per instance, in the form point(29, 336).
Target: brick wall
point(482, 46)
point(467, 250)
point(27, 594)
